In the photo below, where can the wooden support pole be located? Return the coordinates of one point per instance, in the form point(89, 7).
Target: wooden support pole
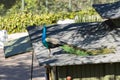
point(47, 74)
point(56, 73)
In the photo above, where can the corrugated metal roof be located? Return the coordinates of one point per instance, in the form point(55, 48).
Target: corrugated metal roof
point(83, 35)
point(109, 10)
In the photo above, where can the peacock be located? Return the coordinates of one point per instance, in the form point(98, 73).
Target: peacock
point(50, 42)
point(53, 42)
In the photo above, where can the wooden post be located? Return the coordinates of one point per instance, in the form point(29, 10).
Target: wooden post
point(56, 73)
point(47, 74)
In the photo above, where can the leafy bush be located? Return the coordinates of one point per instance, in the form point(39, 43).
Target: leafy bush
point(19, 21)
point(88, 15)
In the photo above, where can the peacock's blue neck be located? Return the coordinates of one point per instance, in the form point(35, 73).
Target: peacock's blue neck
point(44, 37)
point(44, 33)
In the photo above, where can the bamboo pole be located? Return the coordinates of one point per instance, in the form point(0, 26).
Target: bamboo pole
point(22, 5)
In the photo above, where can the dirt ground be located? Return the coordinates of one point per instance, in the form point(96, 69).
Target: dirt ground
point(19, 67)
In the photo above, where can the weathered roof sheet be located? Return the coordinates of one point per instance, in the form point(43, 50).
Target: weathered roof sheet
point(84, 35)
point(109, 10)
point(17, 46)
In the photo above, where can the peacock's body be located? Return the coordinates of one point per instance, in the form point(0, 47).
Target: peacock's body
point(50, 42)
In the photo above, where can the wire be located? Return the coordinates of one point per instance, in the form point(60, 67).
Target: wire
point(32, 64)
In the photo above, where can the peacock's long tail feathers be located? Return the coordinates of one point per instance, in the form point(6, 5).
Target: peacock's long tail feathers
point(75, 47)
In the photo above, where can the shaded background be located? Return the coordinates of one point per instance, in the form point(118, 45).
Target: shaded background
point(42, 6)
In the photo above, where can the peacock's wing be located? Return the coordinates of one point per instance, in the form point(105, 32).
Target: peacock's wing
point(52, 45)
point(52, 42)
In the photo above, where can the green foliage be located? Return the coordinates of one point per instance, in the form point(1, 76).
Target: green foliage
point(39, 12)
point(50, 6)
point(88, 15)
point(8, 3)
point(1, 9)
point(17, 22)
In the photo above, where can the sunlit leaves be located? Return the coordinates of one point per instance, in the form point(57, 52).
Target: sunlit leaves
point(17, 22)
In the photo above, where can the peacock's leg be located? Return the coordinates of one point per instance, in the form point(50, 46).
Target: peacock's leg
point(49, 52)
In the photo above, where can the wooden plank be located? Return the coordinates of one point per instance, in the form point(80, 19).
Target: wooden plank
point(91, 72)
point(109, 72)
point(117, 71)
point(62, 72)
point(51, 74)
point(54, 73)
